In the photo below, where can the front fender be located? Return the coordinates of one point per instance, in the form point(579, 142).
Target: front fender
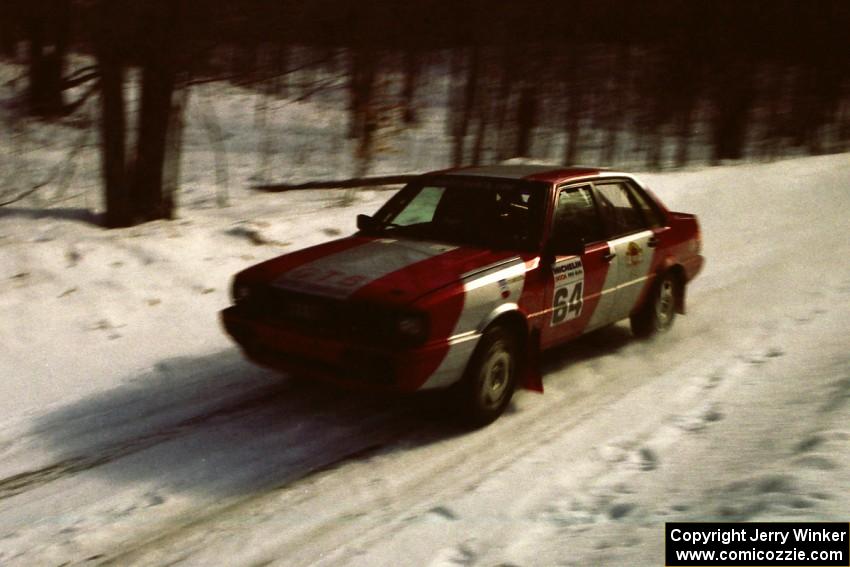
point(495, 314)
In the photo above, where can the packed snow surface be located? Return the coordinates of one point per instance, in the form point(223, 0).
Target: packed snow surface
point(132, 431)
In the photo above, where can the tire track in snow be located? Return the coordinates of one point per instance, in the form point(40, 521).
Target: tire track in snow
point(374, 438)
point(348, 428)
point(436, 478)
point(19, 483)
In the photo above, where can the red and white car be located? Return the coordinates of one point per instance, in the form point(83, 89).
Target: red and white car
point(463, 276)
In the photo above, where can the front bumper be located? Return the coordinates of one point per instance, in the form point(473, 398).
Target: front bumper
point(332, 359)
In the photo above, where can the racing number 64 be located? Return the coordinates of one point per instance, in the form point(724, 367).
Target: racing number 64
point(567, 303)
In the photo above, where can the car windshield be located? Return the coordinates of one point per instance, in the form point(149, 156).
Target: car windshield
point(491, 213)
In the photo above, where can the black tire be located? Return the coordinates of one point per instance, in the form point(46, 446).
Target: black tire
point(490, 378)
point(658, 312)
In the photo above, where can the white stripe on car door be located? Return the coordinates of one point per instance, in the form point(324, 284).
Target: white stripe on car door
point(634, 258)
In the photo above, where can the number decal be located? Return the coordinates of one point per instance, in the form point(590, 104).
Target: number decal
point(574, 306)
point(559, 315)
point(567, 299)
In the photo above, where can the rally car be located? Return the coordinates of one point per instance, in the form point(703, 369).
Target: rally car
point(463, 276)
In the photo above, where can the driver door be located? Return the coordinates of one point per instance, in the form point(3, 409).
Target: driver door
point(579, 288)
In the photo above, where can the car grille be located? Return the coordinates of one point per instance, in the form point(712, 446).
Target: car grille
point(320, 316)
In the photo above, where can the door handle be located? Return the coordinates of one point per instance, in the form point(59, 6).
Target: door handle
point(609, 256)
point(652, 242)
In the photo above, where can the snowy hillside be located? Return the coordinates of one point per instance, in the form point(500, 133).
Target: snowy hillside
point(132, 432)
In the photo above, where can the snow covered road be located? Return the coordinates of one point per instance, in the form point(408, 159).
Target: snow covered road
point(143, 449)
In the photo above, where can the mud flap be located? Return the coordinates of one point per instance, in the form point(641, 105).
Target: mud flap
point(532, 379)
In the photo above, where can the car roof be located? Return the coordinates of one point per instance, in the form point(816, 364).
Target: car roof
point(532, 172)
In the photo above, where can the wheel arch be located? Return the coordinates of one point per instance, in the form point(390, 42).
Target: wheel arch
point(509, 316)
point(505, 320)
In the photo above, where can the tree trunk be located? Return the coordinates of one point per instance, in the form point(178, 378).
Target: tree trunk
point(730, 128)
point(113, 140)
point(361, 85)
point(683, 132)
point(526, 121)
point(107, 39)
point(209, 121)
point(282, 79)
point(663, 91)
point(572, 121)
point(733, 101)
point(263, 130)
point(8, 33)
point(47, 29)
point(155, 115)
point(481, 132)
point(470, 89)
point(408, 91)
point(362, 118)
point(503, 101)
point(655, 152)
point(844, 124)
point(173, 149)
point(618, 86)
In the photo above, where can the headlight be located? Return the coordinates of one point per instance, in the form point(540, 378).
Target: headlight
point(413, 327)
point(241, 292)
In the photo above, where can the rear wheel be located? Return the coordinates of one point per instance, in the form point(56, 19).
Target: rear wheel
point(659, 311)
point(490, 378)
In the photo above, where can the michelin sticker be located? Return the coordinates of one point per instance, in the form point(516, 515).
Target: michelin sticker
point(569, 289)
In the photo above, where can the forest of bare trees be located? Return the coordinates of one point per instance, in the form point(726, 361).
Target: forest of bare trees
point(664, 78)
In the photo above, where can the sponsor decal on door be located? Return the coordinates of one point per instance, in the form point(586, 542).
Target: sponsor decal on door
point(569, 290)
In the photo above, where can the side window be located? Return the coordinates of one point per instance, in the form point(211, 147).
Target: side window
point(620, 215)
point(576, 217)
point(650, 211)
point(421, 208)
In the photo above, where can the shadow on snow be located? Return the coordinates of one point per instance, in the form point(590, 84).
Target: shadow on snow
point(219, 424)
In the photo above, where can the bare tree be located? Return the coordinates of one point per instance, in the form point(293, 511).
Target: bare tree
point(462, 118)
point(733, 100)
point(363, 116)
point(574, 95)
point(412, 70)
point(526, 119)
point(113, 121)
point(47, 29)
point(135, 189)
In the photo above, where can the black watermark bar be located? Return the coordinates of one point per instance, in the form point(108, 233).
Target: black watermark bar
point(762, 544)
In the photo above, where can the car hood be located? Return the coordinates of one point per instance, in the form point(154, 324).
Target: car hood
point(385, 270)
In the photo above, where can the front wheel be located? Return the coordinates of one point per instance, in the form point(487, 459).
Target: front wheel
point(658, 312)
point(490, 378)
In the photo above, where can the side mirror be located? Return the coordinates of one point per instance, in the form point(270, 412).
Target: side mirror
point(365, 223)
